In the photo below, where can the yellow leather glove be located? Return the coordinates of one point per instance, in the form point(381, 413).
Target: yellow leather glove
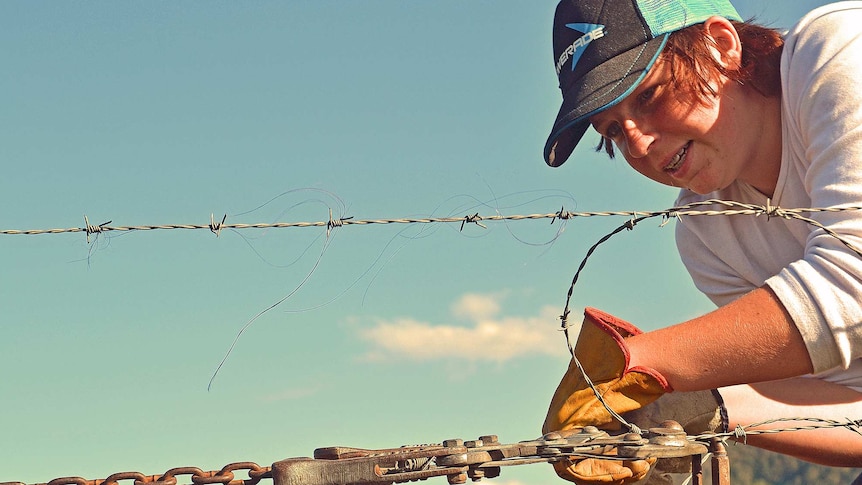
point(603, 354)
point(610, 472)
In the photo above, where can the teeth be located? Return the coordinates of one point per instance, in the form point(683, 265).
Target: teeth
point(676, 161)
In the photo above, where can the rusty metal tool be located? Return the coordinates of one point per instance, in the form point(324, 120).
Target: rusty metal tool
point(460, 460)
point(456, 459)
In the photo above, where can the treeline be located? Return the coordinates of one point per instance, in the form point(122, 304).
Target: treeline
point(752, 466)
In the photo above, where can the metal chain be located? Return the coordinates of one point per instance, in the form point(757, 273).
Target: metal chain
point(225, 476)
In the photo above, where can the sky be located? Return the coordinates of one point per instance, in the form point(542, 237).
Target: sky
point(374, 336)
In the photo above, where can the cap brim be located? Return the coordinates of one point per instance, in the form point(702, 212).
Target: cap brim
point(599, 89)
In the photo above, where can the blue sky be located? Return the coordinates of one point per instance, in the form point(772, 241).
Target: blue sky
point(146, 113)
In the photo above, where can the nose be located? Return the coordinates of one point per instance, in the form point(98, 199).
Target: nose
point(637, 142)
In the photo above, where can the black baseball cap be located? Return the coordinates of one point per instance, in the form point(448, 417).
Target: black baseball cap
point(604, 48)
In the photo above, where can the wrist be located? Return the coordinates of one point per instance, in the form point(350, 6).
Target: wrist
point(643, 357)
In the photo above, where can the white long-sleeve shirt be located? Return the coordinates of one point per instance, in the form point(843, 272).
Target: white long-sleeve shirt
point(816, 277)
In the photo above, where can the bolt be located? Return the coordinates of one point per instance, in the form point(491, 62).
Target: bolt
point(457, 479)
point(489, 439)
point(671, 424)
point(476, 474)
point(632, 437)
point(553, 435)
point(492, 472)
point(453, 443)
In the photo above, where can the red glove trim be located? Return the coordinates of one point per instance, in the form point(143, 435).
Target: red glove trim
point(619, 329)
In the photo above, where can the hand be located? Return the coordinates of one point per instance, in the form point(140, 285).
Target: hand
point(602, 352)
point(590, 471)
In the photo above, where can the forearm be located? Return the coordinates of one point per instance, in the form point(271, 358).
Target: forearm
point(750, 340)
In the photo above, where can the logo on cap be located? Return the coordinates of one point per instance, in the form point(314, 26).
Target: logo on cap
point(576, 50)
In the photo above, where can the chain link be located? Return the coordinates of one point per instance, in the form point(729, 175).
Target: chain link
point(225, 476)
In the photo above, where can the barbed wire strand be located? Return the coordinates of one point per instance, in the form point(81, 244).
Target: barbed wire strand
point(565, 325)
point(730, 208)
point(742, 432)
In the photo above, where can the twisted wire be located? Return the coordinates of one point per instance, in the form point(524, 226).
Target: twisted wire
point(742, 432)
point(731, 208)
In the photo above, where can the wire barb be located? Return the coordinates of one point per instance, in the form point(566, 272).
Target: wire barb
point(562, 215)
point(333, 223)
point(740, 434)
point(215, 228)
point(90, 229)
point(474, 219)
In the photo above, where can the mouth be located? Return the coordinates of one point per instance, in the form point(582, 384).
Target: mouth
point(677, 159)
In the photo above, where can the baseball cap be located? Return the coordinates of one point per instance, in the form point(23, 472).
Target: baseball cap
point(604, 48)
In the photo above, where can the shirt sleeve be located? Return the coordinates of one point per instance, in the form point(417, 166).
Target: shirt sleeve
point(822, 101)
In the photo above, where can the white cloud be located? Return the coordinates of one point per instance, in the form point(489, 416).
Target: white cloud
point(475, 306)
point(487, 337)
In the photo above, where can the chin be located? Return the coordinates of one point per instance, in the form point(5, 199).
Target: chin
point(702, 191)
point(706, 191)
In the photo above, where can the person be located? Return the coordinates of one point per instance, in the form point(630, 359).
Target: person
point(694, 97)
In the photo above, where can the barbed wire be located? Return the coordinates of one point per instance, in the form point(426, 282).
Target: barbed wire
point(729, 208)
point(741, 433)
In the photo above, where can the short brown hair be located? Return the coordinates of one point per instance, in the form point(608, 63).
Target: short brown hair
point(693, 67)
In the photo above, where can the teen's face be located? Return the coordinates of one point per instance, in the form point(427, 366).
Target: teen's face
point(677, 141)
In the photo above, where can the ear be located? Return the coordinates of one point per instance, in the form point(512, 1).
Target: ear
point(727, 46)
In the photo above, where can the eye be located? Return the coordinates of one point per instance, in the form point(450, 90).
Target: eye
point(612, 131)
point(647, 94)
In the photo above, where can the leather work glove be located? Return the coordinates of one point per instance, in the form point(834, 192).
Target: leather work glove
point(599, 471)
point(603, 354)
point(594, 470)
